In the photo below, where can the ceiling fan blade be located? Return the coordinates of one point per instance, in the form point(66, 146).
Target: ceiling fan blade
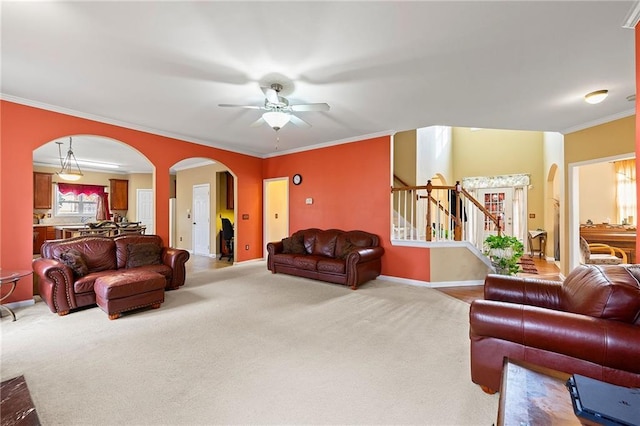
point(271, 95)
point(259, 122)
point(240, 106)
point(310, 107)
point(298, 121)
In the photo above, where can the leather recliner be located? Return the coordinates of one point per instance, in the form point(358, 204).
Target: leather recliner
point(589, 325)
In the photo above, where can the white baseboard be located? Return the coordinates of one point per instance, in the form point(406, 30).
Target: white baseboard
point(20, 304)
point(431, 284)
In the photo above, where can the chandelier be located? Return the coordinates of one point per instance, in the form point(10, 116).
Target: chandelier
point(70, 170)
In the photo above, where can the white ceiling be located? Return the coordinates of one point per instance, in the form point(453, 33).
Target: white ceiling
point(382, 66)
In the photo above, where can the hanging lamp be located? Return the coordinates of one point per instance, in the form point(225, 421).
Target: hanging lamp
point(70, 170)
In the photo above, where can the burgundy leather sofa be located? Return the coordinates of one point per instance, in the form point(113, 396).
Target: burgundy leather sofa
point(341, 257)
point(589, 325)
point(64, 288)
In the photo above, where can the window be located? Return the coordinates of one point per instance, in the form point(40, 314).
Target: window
point(70, 204)
point(77, 200)
point(626, 190)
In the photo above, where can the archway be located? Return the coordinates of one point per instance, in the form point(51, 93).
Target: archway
point(202, 192)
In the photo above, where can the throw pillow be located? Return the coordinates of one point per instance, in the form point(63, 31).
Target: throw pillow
point(143, 254)
point(287, 245)
point(346, 249)
point(297, 244)
point(74, 260)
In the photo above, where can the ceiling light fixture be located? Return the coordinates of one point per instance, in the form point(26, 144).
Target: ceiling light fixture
point(68, 172)
point(276, 119)
point(596, 97)
point(98, 164)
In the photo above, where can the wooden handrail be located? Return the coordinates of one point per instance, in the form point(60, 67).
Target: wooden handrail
point(457, 219)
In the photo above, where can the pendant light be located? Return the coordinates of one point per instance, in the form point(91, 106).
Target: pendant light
point(276, 119)
point(70, 169)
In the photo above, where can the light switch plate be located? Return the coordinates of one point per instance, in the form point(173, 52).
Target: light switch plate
point(309, 201)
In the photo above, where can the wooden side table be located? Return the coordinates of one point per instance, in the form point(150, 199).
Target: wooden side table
point(10, 277)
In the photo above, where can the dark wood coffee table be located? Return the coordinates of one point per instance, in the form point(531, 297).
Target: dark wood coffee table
point(534, 395)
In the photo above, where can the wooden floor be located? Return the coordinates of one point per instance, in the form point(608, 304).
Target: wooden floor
point(546, 270)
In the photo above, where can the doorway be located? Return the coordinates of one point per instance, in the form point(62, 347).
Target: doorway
point(276, 210)
point(201, 219)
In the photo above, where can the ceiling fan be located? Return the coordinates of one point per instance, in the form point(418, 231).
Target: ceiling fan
point(278, 110)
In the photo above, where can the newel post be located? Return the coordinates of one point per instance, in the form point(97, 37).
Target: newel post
point(457, 230)
point(429, 228)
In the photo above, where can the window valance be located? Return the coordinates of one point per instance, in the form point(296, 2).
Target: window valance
point(77, 189)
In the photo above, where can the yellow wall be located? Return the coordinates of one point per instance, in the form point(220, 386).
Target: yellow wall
point(598, 193)
point(185, 180)
point(137, 181)
point(606, 140)
point(490, 152)
point(404, 157)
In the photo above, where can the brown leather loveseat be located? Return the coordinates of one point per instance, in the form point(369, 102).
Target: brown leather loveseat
point(589, 325)
point(341, 257)
point(68, 269)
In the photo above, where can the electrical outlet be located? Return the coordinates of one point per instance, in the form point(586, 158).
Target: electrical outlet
point(246, 247)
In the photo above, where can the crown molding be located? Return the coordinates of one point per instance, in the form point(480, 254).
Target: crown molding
point(194, 165)
point(67, 111)
point(632, 18)
point(599, 121)
point(332, 143)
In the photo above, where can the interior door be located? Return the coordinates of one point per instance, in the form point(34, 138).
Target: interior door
point(499, 202)
point(144, 209)
point(201, 219)
point(276, 210)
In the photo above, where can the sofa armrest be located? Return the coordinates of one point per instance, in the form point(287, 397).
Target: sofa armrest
point(364, 255)
point(55, 282)
point(528, 291)
point(274, 247)
point(362, 265)
point(176, 260)
point(604, 342)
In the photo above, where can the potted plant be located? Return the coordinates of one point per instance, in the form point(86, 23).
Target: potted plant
point(504, 252)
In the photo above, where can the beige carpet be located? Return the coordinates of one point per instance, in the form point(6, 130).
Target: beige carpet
point(240, 345)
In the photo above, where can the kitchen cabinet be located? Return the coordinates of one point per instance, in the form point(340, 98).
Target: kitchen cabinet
point(41, 234)
point(119, 194)
point(42, 184)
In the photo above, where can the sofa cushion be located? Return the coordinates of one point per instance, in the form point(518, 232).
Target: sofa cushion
point(85, 284)
point(74, 260)
point(284, 258)
point(293, 244)
point(309, 262)
point(309, 239)
point(98, 252)
point(603, 291)
point(142, 254)
point(335, 266)
point(325, 243)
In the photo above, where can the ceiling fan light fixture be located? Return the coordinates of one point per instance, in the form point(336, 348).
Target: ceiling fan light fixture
point(596, 97)
point(70, 170)
point(276, 119)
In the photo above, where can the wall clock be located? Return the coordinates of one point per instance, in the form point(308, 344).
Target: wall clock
point(297, 179)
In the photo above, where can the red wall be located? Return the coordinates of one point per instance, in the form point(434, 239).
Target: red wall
point(349, 184)
point(24, 128)
point(351, 189)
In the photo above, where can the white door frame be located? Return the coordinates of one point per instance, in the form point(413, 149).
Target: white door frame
point(267, 208)
point(205, 220)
